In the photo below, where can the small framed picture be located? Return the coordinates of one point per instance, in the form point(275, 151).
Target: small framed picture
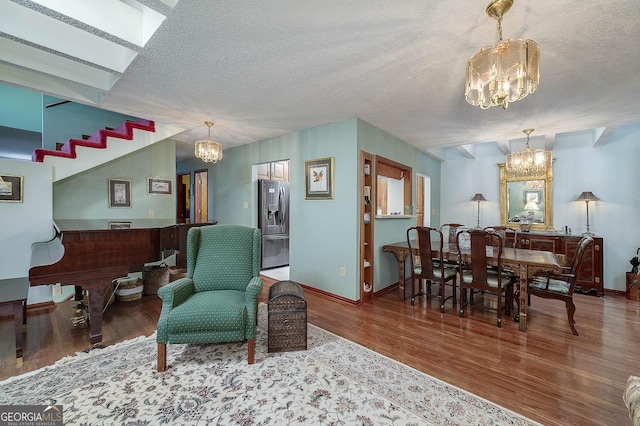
point(159, 186)
point(319, 179)
point(11, 188)
point(119, 193)
point(532, 196)
point(119, 225)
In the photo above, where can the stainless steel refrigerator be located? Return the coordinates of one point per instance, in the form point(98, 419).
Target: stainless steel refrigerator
point(273, 220)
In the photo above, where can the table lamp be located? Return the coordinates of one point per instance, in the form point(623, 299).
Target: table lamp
point(478, 198)
point(587, 196)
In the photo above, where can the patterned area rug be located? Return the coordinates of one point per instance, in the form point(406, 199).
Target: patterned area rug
point(333, 382)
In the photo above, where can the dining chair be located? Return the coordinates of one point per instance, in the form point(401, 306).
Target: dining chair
point(503, 231)
point(450, 230)
point(560, 286)
point(423, 266)
point(477, 275)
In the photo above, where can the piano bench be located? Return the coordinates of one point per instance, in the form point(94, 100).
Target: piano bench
point(13, 301)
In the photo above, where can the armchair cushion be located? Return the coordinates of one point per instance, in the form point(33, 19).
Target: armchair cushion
point(556, 286)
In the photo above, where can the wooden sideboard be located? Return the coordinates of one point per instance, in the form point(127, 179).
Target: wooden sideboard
point(590, 274)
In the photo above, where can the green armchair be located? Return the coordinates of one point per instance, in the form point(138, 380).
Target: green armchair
point(218, 299)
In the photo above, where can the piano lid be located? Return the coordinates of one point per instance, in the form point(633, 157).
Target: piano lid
point(48, 252)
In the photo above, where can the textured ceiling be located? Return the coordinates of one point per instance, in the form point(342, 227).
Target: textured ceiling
point(263, 69)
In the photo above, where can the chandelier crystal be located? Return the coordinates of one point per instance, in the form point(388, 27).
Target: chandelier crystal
point(528, 163)
point(505, 73)
point(208, 150)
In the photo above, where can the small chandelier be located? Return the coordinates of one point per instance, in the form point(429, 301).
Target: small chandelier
point(209, 150)
point(528, 163)
point(505, 73)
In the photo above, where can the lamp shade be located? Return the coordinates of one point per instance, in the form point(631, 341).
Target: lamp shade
point(587, 196)
point(531, 205)
point(478, 197)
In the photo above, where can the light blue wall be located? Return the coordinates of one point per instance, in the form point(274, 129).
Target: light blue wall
point(610, 171)
point(72, 120)
point(325, 234)
point(377, 142)
point(25, 222)
point(81, 201)
point(20, 108)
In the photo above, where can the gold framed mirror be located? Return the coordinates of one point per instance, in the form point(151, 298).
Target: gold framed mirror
point(526, 202)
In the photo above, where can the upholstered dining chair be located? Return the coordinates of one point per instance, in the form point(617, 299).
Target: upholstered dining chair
point(561, 286)
point(477, 275)
point(423, 266)
point(218, 299)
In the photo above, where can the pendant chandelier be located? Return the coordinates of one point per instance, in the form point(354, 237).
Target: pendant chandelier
point(505, 73)
point(208, 150)
point(528, 163)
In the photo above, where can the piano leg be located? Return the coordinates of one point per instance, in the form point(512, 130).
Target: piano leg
point(96, 304)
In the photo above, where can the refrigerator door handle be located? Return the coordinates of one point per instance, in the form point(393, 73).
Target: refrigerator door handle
point(281, 206)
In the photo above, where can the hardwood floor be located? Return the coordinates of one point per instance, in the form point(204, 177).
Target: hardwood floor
point(547, 374)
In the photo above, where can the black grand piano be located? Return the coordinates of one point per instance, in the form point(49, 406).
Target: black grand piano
point(92, 259)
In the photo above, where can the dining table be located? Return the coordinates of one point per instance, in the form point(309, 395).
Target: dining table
point(524, 262)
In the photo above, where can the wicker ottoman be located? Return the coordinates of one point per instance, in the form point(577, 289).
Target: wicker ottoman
point(287, 316)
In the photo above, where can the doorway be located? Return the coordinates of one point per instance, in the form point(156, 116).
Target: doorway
point(183, 202)
point(423, 200)
point(200, 191)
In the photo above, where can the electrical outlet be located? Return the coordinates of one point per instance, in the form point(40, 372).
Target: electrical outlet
point(245, 205)
point(152, 214)
point(343, 271)
point(57, 290)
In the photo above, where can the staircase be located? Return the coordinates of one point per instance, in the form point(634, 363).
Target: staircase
point(78, 155)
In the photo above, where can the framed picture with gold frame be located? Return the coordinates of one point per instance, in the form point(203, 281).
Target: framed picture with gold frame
point(11, 188)
point(119, 193)
point(318, 177)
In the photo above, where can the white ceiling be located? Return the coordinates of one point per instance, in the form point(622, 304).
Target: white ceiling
point(264, 69)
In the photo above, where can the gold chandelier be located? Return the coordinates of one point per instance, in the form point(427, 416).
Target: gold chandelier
point(208, 150)
point(528, 163)
point(505, 73)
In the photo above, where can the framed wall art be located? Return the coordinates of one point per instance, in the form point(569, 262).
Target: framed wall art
point(11, 188)
point(159, 186)
point(532, 196)
point(319, 179)
point(119, 193)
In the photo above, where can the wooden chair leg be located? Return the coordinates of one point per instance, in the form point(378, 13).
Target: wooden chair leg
point(162, 357)
point(571, 309)
point(251, 350)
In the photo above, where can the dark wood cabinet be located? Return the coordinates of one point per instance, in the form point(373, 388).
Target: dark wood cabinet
point(590, 274)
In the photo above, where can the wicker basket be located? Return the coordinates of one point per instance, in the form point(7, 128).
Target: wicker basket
point(155, 277)
point(129, 289)
point(176, 274)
